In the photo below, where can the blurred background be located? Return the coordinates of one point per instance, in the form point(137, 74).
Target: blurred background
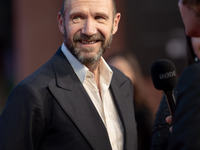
point(29, 36)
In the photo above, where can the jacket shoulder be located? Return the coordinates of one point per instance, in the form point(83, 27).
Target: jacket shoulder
point(118, 75)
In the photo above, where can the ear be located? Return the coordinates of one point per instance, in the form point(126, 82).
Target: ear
point(116, 23)
point(60, 20)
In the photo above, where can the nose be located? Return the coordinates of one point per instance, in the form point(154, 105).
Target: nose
point(89, 27)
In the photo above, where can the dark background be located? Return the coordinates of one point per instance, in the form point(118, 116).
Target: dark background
point(155, 31)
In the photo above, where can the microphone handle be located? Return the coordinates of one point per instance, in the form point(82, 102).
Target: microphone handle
point(171, 101)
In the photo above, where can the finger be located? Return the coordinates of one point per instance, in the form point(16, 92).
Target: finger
point(170, 129)
point(169, 119)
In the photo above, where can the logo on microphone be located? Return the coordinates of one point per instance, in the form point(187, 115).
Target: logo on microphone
point(167, 75)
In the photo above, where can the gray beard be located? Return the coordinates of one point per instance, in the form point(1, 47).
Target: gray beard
point(87, 59)
point(83, 58)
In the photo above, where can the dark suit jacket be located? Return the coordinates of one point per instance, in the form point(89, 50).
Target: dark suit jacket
point(186, 123)
point(160, 134)
point(50, 110)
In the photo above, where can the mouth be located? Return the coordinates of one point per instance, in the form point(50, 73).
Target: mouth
point(89, 42)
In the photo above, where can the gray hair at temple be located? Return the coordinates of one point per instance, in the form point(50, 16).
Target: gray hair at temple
point(64, 2)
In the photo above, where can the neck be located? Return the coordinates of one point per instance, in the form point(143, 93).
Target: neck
point(95, 69)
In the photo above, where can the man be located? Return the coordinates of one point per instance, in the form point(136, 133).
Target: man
point(75, 101)
point(186, 123)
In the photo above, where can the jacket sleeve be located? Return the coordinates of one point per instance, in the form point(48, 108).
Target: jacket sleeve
point(186, 123)
point(161, 128)
point(22, 121)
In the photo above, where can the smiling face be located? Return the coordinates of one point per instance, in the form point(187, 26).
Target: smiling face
point(88, 27)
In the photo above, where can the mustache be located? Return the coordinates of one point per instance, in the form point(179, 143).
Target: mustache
point(95, 37)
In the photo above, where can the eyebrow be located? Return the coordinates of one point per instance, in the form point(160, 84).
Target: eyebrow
point(96, 14)
point(102, 14)
point(75, 13)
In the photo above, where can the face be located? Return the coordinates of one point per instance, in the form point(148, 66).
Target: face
point(88, 27)
point(196, 45)
point(190, 20)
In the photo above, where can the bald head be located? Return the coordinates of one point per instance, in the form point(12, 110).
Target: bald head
point(65, 1)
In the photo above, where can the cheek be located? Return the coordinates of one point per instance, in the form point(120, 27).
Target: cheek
point(106, 31)
point(72, 30)
point(192, 24)
point(185, 12)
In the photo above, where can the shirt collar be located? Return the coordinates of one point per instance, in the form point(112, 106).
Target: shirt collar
point(81, 70)
point(78, 67)
point(105, 74)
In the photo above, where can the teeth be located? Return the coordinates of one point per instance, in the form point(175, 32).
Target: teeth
point(85, 42)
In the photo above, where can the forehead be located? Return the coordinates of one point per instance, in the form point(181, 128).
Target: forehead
point(97, 5)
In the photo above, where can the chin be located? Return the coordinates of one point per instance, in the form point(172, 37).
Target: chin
point(194, 33)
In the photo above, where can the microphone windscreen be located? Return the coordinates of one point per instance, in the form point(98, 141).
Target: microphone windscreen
point(163, 73)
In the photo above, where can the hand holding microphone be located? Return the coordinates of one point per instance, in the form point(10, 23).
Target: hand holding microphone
point(164, 78)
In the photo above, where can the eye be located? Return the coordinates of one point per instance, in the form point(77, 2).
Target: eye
point(100, 18)
point(77, 19)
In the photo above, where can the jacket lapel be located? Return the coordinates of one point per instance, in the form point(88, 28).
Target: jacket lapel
point(75, 101)
point(120, 88)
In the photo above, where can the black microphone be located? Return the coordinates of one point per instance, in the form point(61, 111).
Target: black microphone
point(163, 73)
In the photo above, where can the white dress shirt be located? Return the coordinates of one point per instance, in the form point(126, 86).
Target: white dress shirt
point(104, 104)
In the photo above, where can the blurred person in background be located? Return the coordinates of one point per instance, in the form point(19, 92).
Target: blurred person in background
point(127, 62)
point(185, 131)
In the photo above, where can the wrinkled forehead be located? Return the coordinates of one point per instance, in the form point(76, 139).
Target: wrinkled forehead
point(97, 4)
